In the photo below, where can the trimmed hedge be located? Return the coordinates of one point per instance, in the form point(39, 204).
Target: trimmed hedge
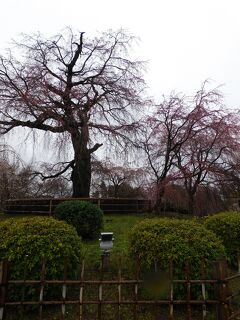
point(226, 225)
point(86, 217)
point(160, 240)
point(25, 241)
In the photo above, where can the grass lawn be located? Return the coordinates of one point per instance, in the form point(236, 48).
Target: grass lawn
point(121, 226)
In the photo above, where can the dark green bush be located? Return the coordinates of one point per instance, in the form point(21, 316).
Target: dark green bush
point(26, 241)
point(226, 225)
point(161, 240)
point(86, 217)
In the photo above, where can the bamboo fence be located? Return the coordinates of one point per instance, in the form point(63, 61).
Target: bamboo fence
point(126, 292)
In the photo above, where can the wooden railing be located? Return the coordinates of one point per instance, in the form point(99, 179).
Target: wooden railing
point(125, 292)
point(47, 206)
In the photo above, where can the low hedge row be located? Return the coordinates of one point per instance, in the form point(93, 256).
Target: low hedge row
point(26, 241)
point(158, 241)
point(226, 225)
point(163, 239)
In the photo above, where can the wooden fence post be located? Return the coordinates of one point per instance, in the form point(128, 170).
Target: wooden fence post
point(81, 291)
point(50, 207)
point(238, 261)
point(221, 290)
point(119, 289)
point(149, 205)
point(203, 288)
point(136, 287)
point(4, 272)
point(137, 206)
point(170, 273)
point(42, 284)
point(64, 288)
point(188, 284)
point(100, 290)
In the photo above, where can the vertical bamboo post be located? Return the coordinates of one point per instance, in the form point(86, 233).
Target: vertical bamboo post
point(217, 291)
point(81, 292)
point(137, 206)
point(203, 289)
point(64, 289)
point(100, 288)
point(119, 288)
point(149, 205)
point(170, 316)
point(23, 287)
point(50, 207)
point(156, 305)
point(188, 284)
point(137, 271)
point(224, 288)
point(238, 261)
point(42, 283)
point(4, 274)
point(220, 290)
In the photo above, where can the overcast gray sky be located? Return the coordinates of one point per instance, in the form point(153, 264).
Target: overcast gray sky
point(185, 41)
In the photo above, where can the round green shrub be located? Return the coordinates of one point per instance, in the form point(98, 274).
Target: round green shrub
point(161, 240)
point(26, 241)
point(226, 225)
point(85, 216)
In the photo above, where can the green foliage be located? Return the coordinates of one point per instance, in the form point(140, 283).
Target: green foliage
point(25, 241)
point(86, 217)
point(161, 240)
point(226, 225)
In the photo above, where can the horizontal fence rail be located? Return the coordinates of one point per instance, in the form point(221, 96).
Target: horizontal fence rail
point(47, 206)
point(115, 295)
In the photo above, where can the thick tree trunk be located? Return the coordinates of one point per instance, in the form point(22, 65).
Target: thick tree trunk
point(191, 203)
point(159, 205)
point(81, 174)
point(81, 177)
point(116, 190)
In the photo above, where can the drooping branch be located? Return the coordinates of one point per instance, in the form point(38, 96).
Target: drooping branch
point(9, 125)
point(95, 147)
point(59, 173)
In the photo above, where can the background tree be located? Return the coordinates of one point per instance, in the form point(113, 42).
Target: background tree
point(227, 177)
point(159, 136)
point(84, 91)
point(184, 138)
point(51, 188)
point(210, 148)
point(18, 180)
point(118, 181)
point(15, 176)
point(162, 136)
point(48, 182)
